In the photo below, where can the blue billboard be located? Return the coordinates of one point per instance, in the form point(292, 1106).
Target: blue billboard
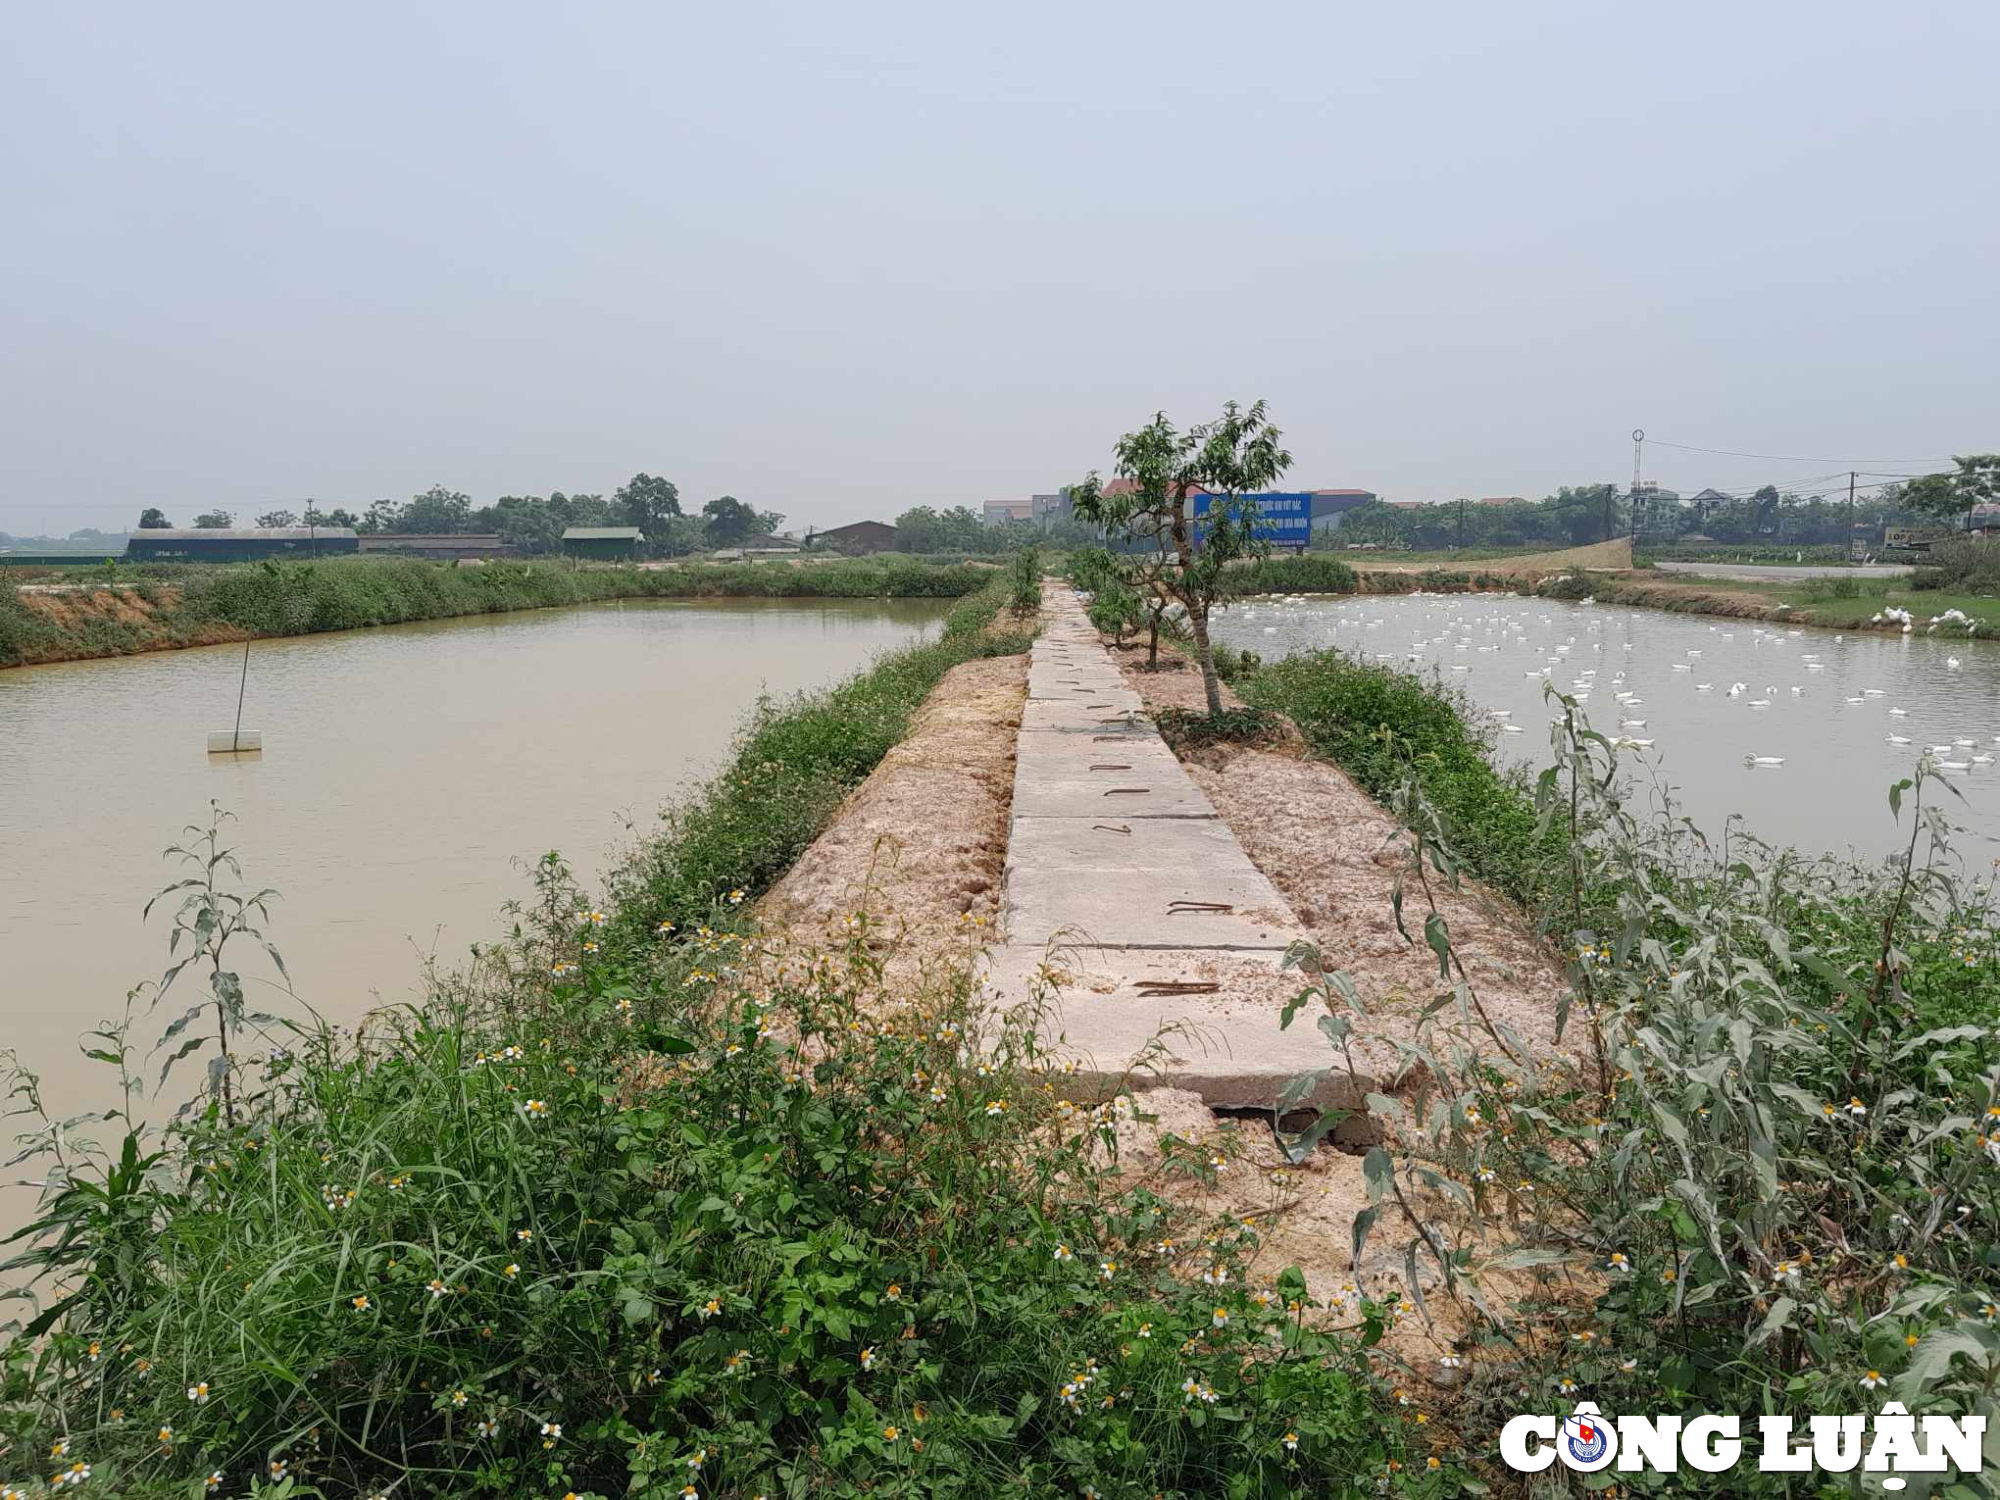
point(1283, 520)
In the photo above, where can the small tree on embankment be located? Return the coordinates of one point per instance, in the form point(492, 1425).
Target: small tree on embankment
point(1226, 460)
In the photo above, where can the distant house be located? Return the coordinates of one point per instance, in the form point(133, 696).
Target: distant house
point(858, 537)
point(436, 544)
point(1009, 510)
point(238, 544)
point(603, 543)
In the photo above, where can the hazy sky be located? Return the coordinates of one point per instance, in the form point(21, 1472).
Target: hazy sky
point(842, 259)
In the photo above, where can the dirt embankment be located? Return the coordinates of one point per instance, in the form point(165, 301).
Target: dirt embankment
point(1614, 555)
point(77, 622)
point(920, 845)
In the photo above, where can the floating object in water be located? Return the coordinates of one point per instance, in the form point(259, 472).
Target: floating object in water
point(1511, 728)
point(1760, 702)
point(1901, 713)
point(1270, 630)
point(1897, 739)
point(1951, 663)
point(1704, 687)
point(1857, 700)
point(1873, 693)
point(1682, 667)
point(1763, 760)
point(1954, 765)
point(1631, 723)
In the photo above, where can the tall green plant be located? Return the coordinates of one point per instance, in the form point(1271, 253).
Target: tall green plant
point(1770, 1173)
point(1225, 460)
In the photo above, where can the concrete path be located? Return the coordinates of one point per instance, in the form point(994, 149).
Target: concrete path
point(1130, 907)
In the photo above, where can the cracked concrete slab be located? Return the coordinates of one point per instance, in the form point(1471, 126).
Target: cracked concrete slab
point(1131, 910)
point(1079, 718)
point(1146, 908)
point(1070, 844)
point(1105, 1013)
point(1136, 795)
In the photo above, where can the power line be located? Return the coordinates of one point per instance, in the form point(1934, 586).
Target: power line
point(1788, 458)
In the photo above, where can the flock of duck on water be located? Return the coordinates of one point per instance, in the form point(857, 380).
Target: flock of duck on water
point(1963, 753)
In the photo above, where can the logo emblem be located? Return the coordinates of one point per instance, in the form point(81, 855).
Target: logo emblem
point(1587, 1437)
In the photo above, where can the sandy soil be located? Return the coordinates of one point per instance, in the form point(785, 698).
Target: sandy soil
point(1616, 553)
point(919, 846)
point(1334, 854)
point(73, 607)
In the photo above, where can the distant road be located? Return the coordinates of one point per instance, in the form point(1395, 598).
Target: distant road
point(1781, 572)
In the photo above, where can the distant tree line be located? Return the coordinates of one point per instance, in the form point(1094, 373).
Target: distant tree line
point(532, 524)
point(924, 528)
point(1576, 516)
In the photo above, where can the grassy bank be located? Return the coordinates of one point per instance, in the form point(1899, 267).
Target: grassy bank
point(115, 614)
point(1840, 603)
point(796, 759)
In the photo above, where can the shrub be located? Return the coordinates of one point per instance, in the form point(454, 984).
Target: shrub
point(1308, 574)
point(1572, 585)
point(1965, 566)
point(1027, 581)
point(1116, 610)
point(1764, 1184)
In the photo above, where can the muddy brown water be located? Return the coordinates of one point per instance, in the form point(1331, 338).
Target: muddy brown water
point(405, 773)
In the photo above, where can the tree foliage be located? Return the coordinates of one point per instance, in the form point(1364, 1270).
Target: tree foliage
point(924, 528)
point(728, 522)
point(1226, 460)
point(1951, 496)
point(152, 518)
point(648, 503)
point(215, 520)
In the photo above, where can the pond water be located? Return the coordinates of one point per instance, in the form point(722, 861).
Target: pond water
point(1847, 714)
point(404, 774)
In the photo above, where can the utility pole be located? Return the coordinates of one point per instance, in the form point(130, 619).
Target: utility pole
point(1852, 475)
point(1461, 523)
point(1638, 450)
